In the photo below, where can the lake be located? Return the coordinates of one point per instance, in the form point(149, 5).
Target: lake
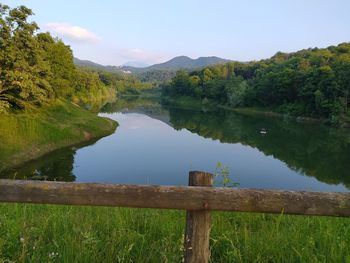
point(159, 144)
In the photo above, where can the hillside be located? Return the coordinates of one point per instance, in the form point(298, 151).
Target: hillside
point(94, 65)
point(87, 63)
point(312, 82)
point(183, 62)
point(180, 62)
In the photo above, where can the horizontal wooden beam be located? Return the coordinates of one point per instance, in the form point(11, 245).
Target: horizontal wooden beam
point(176, 197)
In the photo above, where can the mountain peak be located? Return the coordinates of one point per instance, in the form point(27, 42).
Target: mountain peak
point(185, 62)
point(136, 64)
point(181, 57)
point(176, 63)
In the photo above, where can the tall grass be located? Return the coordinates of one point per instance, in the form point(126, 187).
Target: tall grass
point(28, 135)
point(46, 233)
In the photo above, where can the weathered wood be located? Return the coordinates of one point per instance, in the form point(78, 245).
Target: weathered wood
point(176, 197)
point(197, 230)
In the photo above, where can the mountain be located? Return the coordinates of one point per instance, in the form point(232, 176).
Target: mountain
point(87, 63)
point(184, 62)
point(136, 64)
point(91, 64)
point(181, 62)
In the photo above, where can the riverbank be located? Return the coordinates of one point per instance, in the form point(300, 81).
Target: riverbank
point(27, 136)
point(271, 113)
point(187, 102)
point(340, 122)
point(48, 233)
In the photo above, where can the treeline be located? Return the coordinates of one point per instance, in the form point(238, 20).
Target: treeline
point(126, 84)
point(156, 77)
point(313, 82)
point(36, 68)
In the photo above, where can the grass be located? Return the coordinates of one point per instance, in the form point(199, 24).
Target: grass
point(47, 233)
point(28, 135)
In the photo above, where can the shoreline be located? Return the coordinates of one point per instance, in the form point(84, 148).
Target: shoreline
point(187, 102)
point(69, 125)
point(274, 114)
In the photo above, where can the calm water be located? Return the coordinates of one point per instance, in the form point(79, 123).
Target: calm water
point(160, 145)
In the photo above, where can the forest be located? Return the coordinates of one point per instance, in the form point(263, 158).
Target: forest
point(36, 68)
point(312, 82)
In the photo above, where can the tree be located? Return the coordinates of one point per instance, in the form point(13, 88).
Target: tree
point(313, 82)
point(181, 82)
point(35, 68)
point(236, 91)
point(23, 72)
point(60, 59)
point(342, 69)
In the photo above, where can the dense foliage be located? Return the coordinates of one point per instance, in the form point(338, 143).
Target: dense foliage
point(156, 77)
point(314, 82)
point(123, 83)
point(36, 68)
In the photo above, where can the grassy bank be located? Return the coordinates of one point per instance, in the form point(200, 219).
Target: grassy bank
point(28, 135)
point(44, 233)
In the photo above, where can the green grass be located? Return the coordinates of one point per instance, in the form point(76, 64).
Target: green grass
point(31, 233)
point(28, 135)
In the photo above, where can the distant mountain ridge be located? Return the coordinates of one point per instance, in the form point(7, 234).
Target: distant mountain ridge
point(176, 63)
point(135, 64)
point(87, 63)
point(184, 62)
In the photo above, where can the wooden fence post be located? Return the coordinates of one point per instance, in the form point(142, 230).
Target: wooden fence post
point(198, 224)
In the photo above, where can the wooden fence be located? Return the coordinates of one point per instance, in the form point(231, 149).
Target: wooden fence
point(199, 198)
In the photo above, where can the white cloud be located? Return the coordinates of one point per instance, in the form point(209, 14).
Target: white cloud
point(74, 33)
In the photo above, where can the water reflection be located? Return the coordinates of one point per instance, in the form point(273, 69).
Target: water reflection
point(55, 166)
point(310, 149)
point(161, 148)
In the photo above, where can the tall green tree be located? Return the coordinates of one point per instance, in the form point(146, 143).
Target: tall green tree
point(24, 73)
point(35, 67)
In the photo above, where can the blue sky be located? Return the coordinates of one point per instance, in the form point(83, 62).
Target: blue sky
point(114, 32)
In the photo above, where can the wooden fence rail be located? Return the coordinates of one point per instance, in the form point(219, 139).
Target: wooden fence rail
point(198, 199)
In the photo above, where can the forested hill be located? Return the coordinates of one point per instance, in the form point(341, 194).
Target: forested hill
point(313, 82)
point(176, 63)
point(36, 68)
point(88, 63)
point(95, 66)
point(157, 73)
point(184, 62)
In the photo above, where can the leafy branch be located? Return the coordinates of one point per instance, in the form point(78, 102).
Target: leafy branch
point(222, 176)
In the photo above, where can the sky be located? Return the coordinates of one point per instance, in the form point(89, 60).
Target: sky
point(113, 32)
